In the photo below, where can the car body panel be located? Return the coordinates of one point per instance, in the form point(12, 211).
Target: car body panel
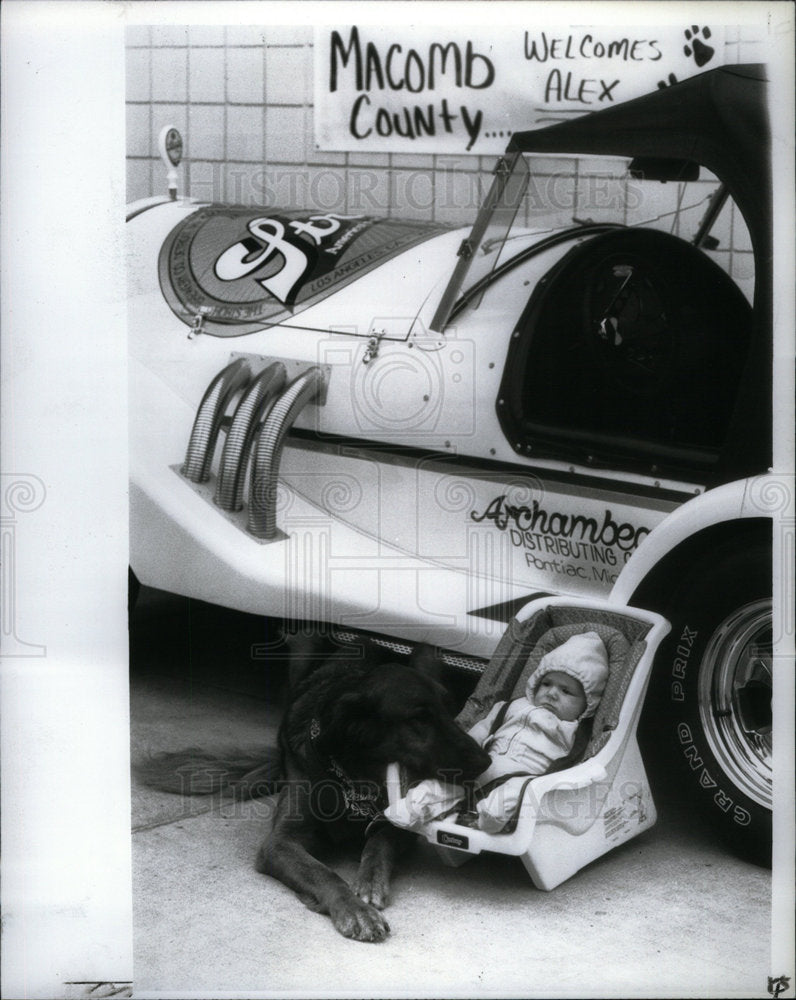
point(402, 505)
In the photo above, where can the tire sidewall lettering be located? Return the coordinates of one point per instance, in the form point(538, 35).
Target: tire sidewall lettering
point(681, 662)
point(706, 782)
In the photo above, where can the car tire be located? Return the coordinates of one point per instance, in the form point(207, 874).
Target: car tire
point(711, 703)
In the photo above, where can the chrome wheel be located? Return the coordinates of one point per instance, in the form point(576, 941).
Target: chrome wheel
point(735, 685)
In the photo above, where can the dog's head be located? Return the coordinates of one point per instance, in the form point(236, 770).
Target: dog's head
point(398, 712)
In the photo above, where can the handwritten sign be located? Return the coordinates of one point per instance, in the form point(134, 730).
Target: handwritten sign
point(446, 90)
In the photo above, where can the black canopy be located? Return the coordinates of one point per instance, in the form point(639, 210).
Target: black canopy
point(719, 120)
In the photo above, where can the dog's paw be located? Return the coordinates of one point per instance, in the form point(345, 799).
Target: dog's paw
point(374, 888)
point(354, 918)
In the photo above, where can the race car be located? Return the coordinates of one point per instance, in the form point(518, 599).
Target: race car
point(410, 430)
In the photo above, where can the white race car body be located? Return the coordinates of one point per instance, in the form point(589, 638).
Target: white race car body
point(405, 510)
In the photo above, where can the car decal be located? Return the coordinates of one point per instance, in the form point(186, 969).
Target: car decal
point(242, 269)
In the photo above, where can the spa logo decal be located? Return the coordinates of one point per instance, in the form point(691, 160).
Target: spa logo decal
point(242, 269)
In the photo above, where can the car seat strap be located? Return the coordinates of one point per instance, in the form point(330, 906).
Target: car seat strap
point(511, 823)
point(497, 722)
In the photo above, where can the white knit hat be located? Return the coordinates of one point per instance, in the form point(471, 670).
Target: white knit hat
point(583, 657)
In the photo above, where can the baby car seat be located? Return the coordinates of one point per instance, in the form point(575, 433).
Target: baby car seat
point(568, 818)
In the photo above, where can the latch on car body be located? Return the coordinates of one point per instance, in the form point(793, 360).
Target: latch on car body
point(372, 349)
point(198, 324)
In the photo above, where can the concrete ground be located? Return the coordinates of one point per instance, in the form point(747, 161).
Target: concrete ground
point(670, 914)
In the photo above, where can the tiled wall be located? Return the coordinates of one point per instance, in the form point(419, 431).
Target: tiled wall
point(242, 99)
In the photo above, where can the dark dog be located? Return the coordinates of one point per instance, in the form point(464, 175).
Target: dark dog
point(345, 720)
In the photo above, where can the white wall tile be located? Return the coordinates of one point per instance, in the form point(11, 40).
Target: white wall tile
point(288, 34)
point(245, 133)
point(139, 179)
point(368, 191)
point(328, 190)
point(169, 34)
point(419, 160)
point(206, 181)
point(138, 81)
point(285, 135)
point(286, 74)
point(244, 183)
point(206, 75)
point(369, 159)
point(245, 34)
point(245, 75)
point(206, 132)
point(139, 130)
point(457, 198)
point(170, 74)
point(206, 34)
point(413, 193)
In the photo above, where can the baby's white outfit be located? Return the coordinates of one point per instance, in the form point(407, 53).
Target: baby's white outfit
point(526, 742)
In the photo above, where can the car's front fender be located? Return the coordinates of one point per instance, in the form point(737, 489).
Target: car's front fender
point(758, 497)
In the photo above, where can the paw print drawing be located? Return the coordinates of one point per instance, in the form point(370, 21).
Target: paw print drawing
point(701, 52)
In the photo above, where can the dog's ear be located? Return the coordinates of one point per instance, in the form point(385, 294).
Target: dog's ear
point(426, 660)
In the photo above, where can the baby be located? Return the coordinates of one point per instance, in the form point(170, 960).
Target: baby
point(526, 736)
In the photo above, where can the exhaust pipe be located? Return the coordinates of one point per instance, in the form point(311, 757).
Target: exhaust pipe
point(268, 451)
point(209, 417)
point(247, 420)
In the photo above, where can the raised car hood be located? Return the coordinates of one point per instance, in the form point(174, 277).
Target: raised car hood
point(242, 269)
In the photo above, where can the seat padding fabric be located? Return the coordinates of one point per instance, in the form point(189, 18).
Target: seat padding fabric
point(525, 643)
